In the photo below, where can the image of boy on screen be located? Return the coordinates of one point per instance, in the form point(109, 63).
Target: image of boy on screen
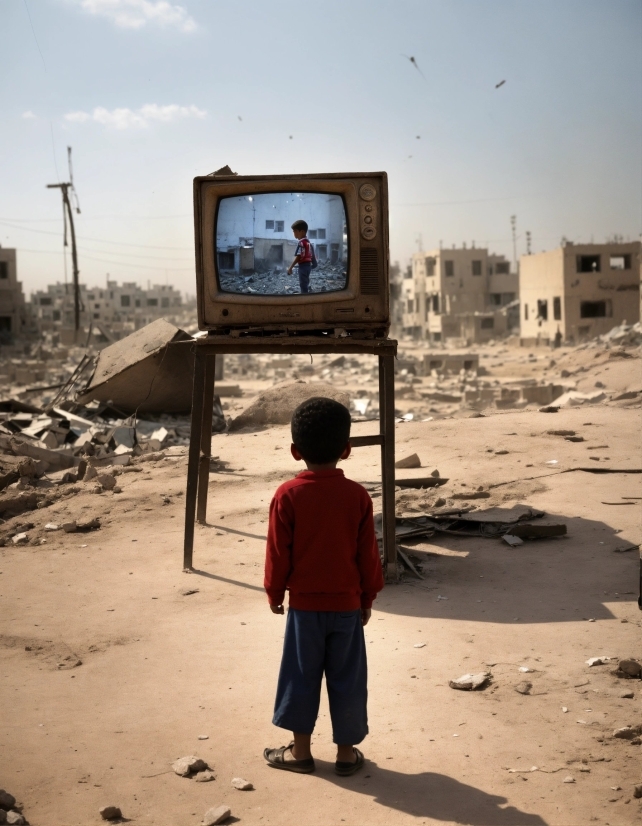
point(302, 256)
point(322, 549)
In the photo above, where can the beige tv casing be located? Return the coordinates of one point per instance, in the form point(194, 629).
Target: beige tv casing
point(361, 308)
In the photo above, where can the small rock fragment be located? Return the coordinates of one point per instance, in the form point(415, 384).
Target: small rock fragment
point(419, 645)
point(203, 737)
point(526, 670)
point(411, 461)
point(51, 526)
point(511, 540)
point(471, 682)
point(107, 481)
point(186, 766)
point(627, 695)
point(628, 732)
point(637, 791)
point(564, 709)
point(524, 687)
point(110, 813)
point(242, 785)
point(204, 777)
point(218, 814)
point(629, 668)
point(435, 473)
point(15, 819)
point(186, 592)
point(598, 660)
point(70, 527)
point(20, 539)
point(569, 779)
point(7, 801)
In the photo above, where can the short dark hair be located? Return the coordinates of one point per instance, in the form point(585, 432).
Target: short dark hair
point(321, 430)
point(300, 225)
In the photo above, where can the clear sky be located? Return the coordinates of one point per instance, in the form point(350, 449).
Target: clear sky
point(150, 93)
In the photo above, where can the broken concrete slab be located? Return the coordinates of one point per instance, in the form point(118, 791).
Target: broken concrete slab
point(411, 461)
point(147, 371)
point(216, 815)
point(471, 682)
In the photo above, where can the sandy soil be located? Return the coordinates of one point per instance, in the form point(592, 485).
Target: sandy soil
point(159, 668)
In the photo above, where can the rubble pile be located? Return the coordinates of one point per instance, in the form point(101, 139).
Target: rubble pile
point(275, 281)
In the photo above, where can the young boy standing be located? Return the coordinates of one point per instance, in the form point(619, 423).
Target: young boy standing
point(302, 255)
point(321, 547)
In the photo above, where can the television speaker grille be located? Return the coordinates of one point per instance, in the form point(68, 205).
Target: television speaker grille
point(369, 271)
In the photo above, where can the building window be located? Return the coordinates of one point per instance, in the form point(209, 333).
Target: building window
point(496, 298)
point(557, 308)
point(125, 301)
point(435, 304)
point(588, 263)
point(55, 315)
point(321, 234)
point(409, 305)
point(152, 302)
point(46, 301)
point(90, 298)
point(164, 302)
point(96, 315)
point(542, 309)
point(487, 324)
point(525, 312)
point(279, 226)
point(96, 306)
point(275, 254)
point(312, 234)
point(595, 309)
point(4, 269)
point(616, 262)
point(502, 268)
point(321, 252)
point(477, 267)
point(269, 225)
point(449, 267)
point(430, 266)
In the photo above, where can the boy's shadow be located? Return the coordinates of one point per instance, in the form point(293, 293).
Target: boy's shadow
point(430, 795)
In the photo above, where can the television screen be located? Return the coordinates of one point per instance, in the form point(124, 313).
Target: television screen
point(258, 252)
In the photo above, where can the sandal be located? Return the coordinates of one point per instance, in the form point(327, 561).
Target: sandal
point(276, 759)
point(346, 769)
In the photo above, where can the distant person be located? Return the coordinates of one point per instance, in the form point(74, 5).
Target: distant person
point(303, 255)
point(321, 547)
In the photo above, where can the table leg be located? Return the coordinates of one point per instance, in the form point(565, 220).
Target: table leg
point(387, 430)
point(206, 440)
point(194, 452)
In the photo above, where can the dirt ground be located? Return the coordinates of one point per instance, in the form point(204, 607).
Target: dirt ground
point(159, 669)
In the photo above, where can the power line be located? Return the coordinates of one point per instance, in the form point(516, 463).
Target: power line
point(34, 34)
point(89, 238)
point(106, 261)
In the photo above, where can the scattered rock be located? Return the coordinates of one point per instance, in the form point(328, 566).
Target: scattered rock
point(627, 695)
point(186, 766)
point(110, 813)
point(419, 645)
point(630, 669)
point(203, 737)
point(15, 819)
point(569, 779)
point(511, 540)
point(51, 526)
point(186, 592)
point(524, 687)
point(637, 791)
point(242, 785)
point(409, 461)
point(471, 682)
point(20, 539)
point(107, 481)
point(435, 473)
point(598, 660)
point(628, 732)
point(7, 801)
point(204, 777)
point(219, 814)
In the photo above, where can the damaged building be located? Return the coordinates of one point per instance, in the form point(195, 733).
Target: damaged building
point(578, 291)
point(13, 315)
point(468, 294)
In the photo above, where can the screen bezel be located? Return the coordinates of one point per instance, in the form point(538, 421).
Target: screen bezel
point(212, 194)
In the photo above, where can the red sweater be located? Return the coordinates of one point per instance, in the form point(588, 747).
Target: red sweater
point(321, 544)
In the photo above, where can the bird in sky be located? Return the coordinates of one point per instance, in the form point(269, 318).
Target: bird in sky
point(415, 64)
point(501, 83)
point(239, 117)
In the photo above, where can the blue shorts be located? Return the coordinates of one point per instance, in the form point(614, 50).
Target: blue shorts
point(304, 276)
point(318, 642)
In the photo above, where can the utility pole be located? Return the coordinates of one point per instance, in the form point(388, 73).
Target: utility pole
point(68, 211)
point(528, 243)
point(513, 226)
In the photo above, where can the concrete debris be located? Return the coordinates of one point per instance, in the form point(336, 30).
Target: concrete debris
point(218, 814)
point(592, 661)
point(20, 539)
point(411, 461)
point(569, 779)
point(511, 540)
point(81, 527)
point(524, 687)
point(204, 777)
point(187, 766)
point(628, 732)
point(110, 813)
point(471, 682)
point(241, 784)
point(276, 405)
point(15, 819)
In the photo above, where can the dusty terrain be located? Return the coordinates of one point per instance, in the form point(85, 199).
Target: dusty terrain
point(159, 669)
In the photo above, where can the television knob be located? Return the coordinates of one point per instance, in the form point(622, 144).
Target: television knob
point(368, 233)
point(367, 192)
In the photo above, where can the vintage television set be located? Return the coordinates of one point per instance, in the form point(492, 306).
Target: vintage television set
point(245, 245)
